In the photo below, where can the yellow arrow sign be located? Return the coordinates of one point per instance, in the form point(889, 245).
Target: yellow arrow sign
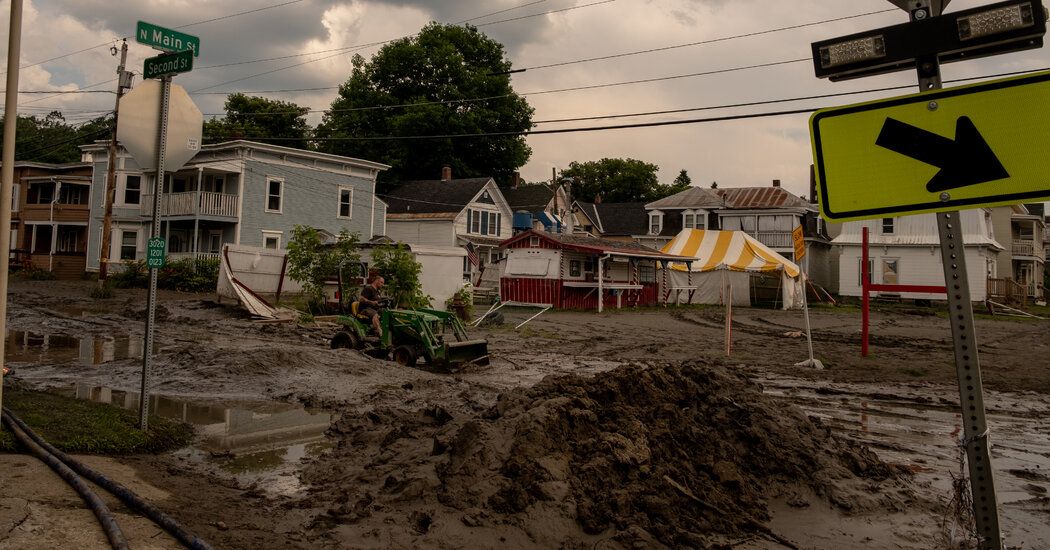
point(979, 145)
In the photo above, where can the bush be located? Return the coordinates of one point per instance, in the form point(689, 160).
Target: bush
point(401, 272)
point(182, 275)
point(133, 275)
point(102, 292)
point(464, 297)
point(311, 262)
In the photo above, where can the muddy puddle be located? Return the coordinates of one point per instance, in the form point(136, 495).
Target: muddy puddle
point(263, 445)
point(41, 348)
point(921, 433)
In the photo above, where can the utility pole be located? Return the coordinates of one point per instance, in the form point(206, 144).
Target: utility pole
point(14, 48)
point(123, 83)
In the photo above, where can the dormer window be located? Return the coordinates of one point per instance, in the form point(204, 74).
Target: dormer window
point(694, 219)
point(656, 222)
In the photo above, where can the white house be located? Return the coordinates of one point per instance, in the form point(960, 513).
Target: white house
point(470, 213)
point(906, 250)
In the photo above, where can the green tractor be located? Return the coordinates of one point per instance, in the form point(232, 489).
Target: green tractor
point(437, 337)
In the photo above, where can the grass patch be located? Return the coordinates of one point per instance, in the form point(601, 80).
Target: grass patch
point(913, 371)
point(79, 426)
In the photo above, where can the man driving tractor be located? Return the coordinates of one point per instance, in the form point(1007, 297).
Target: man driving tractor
point(370, 298)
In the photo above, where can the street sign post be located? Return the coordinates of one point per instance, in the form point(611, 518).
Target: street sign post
point(166, 40)
point(155, 253)
point(168, 64)
point(977, 145)
point(798, 238)
point(967, 147)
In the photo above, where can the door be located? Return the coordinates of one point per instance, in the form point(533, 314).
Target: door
point(215, 242)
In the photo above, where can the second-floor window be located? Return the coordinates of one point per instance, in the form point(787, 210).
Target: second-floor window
point(40, 193)
point(656, 223)
point(274, 194)
point(132, 188)
point(480, 222)
point(694, 219)
point(73, 194)
point(887, 226)
point(346, 199)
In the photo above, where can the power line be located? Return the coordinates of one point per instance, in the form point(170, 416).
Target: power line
point(27, 155)
point(60, 92)
point(702, 42)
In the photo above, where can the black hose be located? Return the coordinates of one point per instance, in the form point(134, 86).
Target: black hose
point(105, 517)
point(135, 502)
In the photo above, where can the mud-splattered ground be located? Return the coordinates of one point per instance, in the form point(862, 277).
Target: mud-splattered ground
point(657, 438)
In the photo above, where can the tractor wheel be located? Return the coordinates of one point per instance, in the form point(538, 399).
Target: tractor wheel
point(346, 340)
point(405, 356)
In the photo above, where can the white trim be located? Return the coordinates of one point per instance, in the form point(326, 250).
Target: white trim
point(240, 203)
point(659, 218)
point(266, 195)
point(350, 206)
point(122, 187)
point(268, 233)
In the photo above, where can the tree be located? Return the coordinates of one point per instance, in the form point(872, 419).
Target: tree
point(311, 262)
point(446, 80)
point(258, 119)
point(51, 139)
point(621, 180)
point(400, 270)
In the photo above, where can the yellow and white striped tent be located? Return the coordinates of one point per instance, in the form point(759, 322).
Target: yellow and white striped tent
point(726, 258)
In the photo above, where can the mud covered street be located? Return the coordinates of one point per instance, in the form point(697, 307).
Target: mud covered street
point(653, 436)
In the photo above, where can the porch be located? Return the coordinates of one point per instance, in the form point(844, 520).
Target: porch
point(192, 203)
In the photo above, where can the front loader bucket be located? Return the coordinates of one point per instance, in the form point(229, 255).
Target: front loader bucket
point(475, 352)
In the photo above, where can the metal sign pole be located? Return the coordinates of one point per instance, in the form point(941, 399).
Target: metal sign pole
point(151, 298)
point(964, 343)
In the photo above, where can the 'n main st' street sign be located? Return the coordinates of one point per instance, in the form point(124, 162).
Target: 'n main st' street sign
point(979, 145)
point(166, 39)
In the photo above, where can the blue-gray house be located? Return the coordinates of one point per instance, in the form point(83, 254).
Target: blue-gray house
point(239, 192)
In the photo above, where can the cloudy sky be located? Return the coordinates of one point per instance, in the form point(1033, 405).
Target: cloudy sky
point(306, 45)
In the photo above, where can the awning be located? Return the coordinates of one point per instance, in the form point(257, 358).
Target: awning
point(732, 250)
point(550, 220)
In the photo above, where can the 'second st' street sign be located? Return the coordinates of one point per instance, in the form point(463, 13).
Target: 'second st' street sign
point(978, 145)
point(167, 64)
point(166, 39)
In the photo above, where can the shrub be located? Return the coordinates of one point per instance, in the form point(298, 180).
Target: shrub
point(182, 275)
point(133, 275)
point(311, 262)
point(401, 271)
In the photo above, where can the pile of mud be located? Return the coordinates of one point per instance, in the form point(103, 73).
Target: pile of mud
point(683, 455)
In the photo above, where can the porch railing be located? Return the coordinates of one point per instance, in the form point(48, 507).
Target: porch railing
point(1021, 248)
point(181, 204)
point(774, 239)
point(189, 255)
point(1009, 290)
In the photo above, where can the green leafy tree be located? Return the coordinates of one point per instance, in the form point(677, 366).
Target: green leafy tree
point(621, 180)
point(400, 270)
point(311, 262)
point(259, 119)
point(52, 139)
point(430, 85)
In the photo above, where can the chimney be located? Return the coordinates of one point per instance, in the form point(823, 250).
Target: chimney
point(597, 199)
point(812, 185)
point(714, 185)
point(446, 173)
point(776, 183)
point(516, 180)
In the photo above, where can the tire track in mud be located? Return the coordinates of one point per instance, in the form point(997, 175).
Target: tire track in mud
point(758, 329)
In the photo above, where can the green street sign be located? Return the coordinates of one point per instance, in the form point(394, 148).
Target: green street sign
point(166, 39)
point(166, 64)
point(155, 254)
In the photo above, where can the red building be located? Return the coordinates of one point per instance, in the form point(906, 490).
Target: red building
point(579, 272)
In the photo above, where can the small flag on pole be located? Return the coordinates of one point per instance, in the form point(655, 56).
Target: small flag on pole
point(472, 254)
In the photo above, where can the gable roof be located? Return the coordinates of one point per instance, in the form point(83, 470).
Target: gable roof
point(596, 245)
point(617, 218)
point(530, 198)
point(434, 196)
point(694, 197)
point(760, 197)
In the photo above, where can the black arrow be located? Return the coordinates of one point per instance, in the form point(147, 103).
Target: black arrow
point(965, 161)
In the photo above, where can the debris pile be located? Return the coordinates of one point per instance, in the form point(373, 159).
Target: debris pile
point(679, 454)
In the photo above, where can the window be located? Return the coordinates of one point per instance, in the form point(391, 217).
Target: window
point(534, 242)
point(73, 194)
point(484, 223)
point(480, 222)
point(272, 239)
point(688, 221)
point(646, 273)
point(871, 267)
point(890, 271)
point(494, 223)
point(69, 239)
point(475, 221)
point(466, 268)
point(574, 268)
point(346, 200)
point(887, 226)
point(656, 223)
point(40, 193)
point(132, 188)
point(128, 244)
point(274, 189)
point(14, 198)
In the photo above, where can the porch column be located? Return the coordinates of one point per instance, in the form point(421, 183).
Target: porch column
point(196, 212)
point(601, 295)
point(54, 246)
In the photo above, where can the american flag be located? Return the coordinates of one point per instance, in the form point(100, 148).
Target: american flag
point(472, 254)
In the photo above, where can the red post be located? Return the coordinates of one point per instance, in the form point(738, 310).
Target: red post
point(864, 280)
